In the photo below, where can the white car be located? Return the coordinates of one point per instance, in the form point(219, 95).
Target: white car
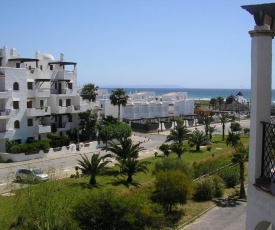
point(34, 175)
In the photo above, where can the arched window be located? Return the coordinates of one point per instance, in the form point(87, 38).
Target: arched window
point(17, 124)
point(15, 86)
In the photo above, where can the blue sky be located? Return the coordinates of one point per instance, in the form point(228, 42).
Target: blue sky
point(191, 44)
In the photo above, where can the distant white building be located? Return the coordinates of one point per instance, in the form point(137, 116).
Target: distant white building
point(36, 93)
point(173, 104)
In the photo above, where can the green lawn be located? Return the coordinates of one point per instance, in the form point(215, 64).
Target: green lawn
point(75, 188)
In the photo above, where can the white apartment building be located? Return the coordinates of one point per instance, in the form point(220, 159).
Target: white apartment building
point(172, 104)
point(36, 93)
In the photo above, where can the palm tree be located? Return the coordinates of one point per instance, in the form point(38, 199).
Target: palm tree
point(178, 148)
point(179, 134)
point(206, 121)
point(126, 155)
point(240, 157)
point(213, 103)
point(220, 101)
point(94, 166)
point(87, 125)
point(233, 139)
point(198, 138)
point(165, 149)
point(89, 92)
point(224, 119)
point(119, 97)
point(125, 148)
point(130, 166)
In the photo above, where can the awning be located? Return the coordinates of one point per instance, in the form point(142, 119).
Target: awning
point(30, 80)
point(16, 99)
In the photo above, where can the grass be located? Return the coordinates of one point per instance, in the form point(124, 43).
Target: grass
point(143, 185)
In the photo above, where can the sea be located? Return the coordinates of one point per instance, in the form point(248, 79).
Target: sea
point(197, 94)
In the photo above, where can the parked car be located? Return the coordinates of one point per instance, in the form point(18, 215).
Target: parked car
point(33, 174)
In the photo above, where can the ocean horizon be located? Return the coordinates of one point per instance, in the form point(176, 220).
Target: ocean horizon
point(194, 93)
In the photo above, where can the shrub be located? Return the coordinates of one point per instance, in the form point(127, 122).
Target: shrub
point(204, 189)
point(57, 141)
point(108, 210)
point(230, 176)
point(168, 164)
point(9, 144)
point(31, 147)
point(219, 186)
point(172, 187)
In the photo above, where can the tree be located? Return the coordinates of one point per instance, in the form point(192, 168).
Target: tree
point(233, 139)
point(220, 100)
point(178, 148)
point(206, 121)
point(198, 138)
point(126, 155)
point(87, 125)
point(240, 157)
point(178, 135)
point(235, 127)
point(73, 135)
point(165, 149)
point(89, 92)
point(109, 120)
point(130, 166)
point(119, 98)
point(224, 119)
point(171, 188)
point(94, 166)
point(213, 103)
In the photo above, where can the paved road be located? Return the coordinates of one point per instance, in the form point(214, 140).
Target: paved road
point(228, 216)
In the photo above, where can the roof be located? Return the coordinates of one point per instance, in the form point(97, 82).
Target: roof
point(62, 63)
point(203, 109)
point(263, 14)
point(239, 94)
point(24, 59)
point(170, 94)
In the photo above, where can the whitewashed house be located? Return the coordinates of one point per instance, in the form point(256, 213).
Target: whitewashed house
point(261, 173)
point(172, 104)
point(36, 93)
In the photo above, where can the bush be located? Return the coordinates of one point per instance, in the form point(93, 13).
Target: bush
point(108, 210)
point(172, 187)
point(31, 147)
point(219, 186)
point(230, 176)
point(168, 164)
point(58, 141)
point(204, 189)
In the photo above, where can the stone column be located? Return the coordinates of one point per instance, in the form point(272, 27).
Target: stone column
point(261, 70)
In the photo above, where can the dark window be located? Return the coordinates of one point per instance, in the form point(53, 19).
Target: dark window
point(55, 118)
point(17, 124)
point(70, 118)
point(15, 104)
point(29, 104)
point(17, 65)
point(15, 86)
point(39, 137)
point(41, 103)
point(30, 122)
point(41, 67)
point(70, 85)
point(30, 85)
point(68, 102)
point(60, 102)
point(51, 67)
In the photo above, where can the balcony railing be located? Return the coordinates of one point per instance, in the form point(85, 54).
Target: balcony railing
point(268, 152)
point(5, 112)
point(58, 91)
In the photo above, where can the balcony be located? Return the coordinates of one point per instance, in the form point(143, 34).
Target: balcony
point(5, 114)
point(60, 109)
point(82, 108)
point(6, 134)
point(42, 129)
point(5, 94)
point(63, 126)
point(33, 112)
point(58, 91)
point(42, 92)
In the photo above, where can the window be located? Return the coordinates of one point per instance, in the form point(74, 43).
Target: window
point(41, 67)
point(30, 122)
point(17, 124)
point(29, 104)
point(30, 85)
point(70, 85)
point(41, 103)
point(68, 102)
point(70, 118)
point(15, 104)
point(51, 67)
point(60, 102)
point(17, 65)
point(15, 86)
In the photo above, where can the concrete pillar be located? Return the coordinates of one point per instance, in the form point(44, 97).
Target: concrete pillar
point(261, 70)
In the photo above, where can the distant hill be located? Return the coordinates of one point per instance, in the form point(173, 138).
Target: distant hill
point(141, 86)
